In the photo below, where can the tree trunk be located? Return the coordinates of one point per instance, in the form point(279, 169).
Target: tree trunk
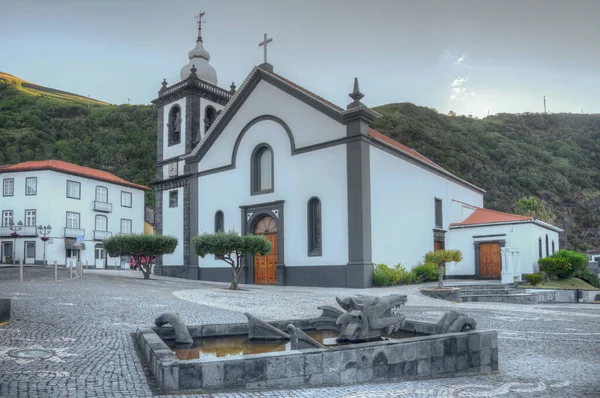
point(145, 271)
point(441, 274)
point(235, 276)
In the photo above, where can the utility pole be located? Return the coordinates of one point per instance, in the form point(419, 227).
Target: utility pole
point(545, 105)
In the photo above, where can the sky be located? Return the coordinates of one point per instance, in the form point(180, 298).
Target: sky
point(471, 57)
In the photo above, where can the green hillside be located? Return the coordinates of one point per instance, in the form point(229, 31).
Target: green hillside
point(554, 157)
point(40, 123)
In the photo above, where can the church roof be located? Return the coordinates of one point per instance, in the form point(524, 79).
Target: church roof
point(487, 216)
point(70, 168)
point(409, 151)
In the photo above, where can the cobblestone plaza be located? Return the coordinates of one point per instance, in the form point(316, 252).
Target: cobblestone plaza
point(544, 350)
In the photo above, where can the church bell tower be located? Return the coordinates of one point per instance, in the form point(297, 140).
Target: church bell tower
point(186, 111)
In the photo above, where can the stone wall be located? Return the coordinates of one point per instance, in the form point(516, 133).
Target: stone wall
point(444, 355)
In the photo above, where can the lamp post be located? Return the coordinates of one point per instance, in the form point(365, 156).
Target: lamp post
point(44, 231)
point(15, 228)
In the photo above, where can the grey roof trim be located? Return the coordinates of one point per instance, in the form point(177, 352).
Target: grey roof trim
point(491, 224)
point(256, 75)
point(418, 162)
point(192, 85)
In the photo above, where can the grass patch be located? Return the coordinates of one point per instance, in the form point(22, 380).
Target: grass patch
point(573, 283)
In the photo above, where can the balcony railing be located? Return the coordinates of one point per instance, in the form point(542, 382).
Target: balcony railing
point(102, 206)
point(101, 235)
point(74, 232)
point(25, 231)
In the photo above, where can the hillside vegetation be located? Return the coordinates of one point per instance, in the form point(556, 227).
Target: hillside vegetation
point(47, 124)
point(554, 157)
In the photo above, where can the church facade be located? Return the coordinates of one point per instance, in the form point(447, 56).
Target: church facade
point(333, 195)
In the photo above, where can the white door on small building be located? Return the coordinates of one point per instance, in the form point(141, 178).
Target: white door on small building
point(30, 252)
point(100, 257)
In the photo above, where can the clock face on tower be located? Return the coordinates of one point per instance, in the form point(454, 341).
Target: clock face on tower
point(173, 170)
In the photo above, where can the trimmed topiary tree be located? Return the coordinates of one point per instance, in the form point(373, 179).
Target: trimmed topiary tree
point(231, 248)
point(441, 257)
point(142, 248)
point(563, 264)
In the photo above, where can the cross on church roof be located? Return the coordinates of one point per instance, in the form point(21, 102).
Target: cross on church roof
point(199, 19)
point(264, 43)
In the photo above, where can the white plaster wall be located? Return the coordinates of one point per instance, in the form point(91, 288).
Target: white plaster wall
point(523, 237)
point(460, 211)
point(403, 208)
point(173, 226)
point(308, 125)
point(297, 178)
point(51, 205)
point(179, 149)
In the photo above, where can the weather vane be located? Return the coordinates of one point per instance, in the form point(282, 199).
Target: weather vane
point(199, 18)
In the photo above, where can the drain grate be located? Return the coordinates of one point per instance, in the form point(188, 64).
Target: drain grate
point(31, 353)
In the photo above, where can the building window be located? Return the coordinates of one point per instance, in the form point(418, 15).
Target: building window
point(125, 199)
point(547, 246)
point(101, 223)
point(314, 227)
point(174, 125)
point(262, 170)
point(553, 246)
point(7, 217)
point(8, 187)
point(31, 186)
point(72, 220)
point(173, 198)
point(73, 189)
point(101, 194)
point(540, 246)
point(30, 218)
point(125, 226)
point(219, 221)
point(438, 214)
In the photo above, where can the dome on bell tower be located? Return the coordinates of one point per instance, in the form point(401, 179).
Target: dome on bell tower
point(199, 58)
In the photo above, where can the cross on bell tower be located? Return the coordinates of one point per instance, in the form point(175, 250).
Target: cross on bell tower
point(199, 18)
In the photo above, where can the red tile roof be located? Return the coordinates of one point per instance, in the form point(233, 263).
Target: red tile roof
point(70, 168)
point(411, 152)
point(486, 216)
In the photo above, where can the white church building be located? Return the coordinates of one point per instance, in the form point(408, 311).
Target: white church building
point(333, 195)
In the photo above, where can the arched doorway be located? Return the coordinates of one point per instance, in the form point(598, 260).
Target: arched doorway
point(265, 267)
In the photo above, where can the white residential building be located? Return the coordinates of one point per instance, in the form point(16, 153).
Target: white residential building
point(83, 206)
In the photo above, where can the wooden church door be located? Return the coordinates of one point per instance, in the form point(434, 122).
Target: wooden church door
point(490, 260)
point(265, 267)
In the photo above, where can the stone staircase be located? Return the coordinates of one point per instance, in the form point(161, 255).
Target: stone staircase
point(495, 293)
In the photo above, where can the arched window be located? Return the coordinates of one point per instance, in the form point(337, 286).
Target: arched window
point(101, 223)
point(210, 114)
point(219, 222)
point(540, 246)
point(174, 125)
point(547, 246)
point(262, 170)
point(101, 194)
point(314, 227)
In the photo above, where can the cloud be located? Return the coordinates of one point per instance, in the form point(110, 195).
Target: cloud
point(458, 89)
point(460, 60)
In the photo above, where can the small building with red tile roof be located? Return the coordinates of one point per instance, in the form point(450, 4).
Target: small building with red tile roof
point(332, 194)
point(81, 205)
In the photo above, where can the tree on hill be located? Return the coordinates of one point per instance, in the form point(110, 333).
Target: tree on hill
point(232, 248)
point(534, 207)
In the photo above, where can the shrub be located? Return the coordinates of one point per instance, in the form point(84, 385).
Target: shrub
point(533, 279)
point(143, 248)
point(589, 276)
point(563, 264)
point(427, 272)
point(404, 276)
point(597, 298)
point(381, 275)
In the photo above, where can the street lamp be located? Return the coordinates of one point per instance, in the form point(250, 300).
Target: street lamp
point(15, 228)
point(44, 231)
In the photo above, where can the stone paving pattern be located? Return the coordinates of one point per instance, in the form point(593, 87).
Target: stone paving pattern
point(544, 350)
